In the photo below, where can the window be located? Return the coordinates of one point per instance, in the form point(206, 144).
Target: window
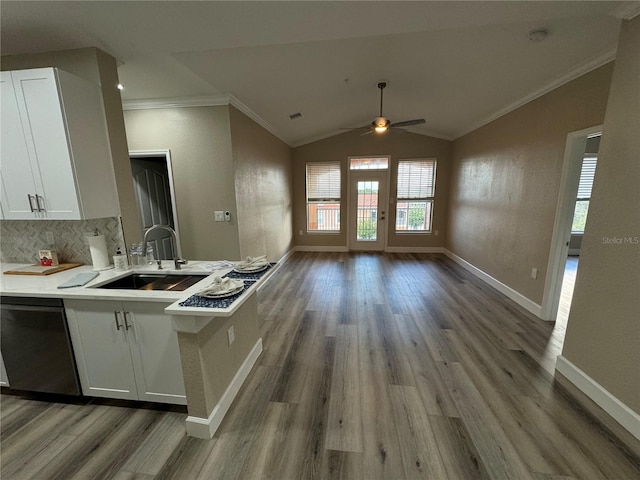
point(366, 163)
point(323, 197)
point(416, 189)
point(584, 194)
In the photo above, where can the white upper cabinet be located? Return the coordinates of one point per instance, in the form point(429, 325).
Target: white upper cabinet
point(55, 157)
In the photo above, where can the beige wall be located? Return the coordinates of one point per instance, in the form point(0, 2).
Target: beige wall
point(398, 146)
point(199, 140)
point(505, 182)
point(100, 68)
point(209, 363)
point(603, 332)
point(263, 186)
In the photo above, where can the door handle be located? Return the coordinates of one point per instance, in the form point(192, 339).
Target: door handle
point(115, 315)
point(29, 197)
point(40, 209)
point(126, 323)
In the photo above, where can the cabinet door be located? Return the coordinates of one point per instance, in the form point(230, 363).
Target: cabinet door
point(101, 348)
point(44, 127)
point(155, 353)
point(16, 169)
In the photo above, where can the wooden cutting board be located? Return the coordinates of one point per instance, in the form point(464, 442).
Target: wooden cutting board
point(38, 269)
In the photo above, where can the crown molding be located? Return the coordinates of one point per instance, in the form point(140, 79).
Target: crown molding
point(568, 77)
point(627, 10)
point(207, 101)
point(176, 102)
point(255, 117)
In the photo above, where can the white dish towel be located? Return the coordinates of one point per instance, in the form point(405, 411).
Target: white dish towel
point(252, 262)
point(221, 286)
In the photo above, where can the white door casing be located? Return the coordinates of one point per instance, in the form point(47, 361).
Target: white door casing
point(573, 155)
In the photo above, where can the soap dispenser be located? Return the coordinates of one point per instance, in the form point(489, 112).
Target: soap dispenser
point(120, 260)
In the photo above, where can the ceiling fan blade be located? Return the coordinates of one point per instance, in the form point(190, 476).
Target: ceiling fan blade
point(407, 123)
point(355, 128)
point(367, 133)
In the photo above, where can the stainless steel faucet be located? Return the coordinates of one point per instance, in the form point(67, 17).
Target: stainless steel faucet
point(178, 261)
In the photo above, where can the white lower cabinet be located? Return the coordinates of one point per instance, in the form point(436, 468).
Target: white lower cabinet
point(126, 350)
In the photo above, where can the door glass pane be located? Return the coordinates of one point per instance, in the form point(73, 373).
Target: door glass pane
point(367, 216)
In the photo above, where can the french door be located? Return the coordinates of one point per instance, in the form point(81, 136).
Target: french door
point(368, 208)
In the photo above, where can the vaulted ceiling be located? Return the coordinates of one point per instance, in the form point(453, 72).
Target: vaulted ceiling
point(455, 64)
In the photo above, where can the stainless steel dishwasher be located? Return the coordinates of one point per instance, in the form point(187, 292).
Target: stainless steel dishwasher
point(36, 347)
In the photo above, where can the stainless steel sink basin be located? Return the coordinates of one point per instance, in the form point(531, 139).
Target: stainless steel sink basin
point(153, 281)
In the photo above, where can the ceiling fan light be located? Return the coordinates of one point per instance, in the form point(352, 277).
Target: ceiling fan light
point(380, 124)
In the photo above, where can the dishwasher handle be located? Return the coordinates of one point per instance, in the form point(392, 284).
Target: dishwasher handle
point(27, 308)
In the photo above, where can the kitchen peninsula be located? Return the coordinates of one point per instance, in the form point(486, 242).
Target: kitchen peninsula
point(198, 355)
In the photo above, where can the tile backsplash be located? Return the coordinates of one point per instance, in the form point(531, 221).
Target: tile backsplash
point(20, 240)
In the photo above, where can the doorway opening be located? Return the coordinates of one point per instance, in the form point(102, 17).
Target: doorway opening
point(579, 165)
point(368, 201)
point(155, 198)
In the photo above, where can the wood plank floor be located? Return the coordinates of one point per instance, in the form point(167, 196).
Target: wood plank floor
point(394, 366)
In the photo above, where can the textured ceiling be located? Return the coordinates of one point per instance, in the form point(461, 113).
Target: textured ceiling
point(455, 64)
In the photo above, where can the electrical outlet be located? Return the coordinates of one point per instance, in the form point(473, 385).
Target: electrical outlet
point(436, 232)
point(299, 232)
point(218, 215)
point(231, 335)
point(534, 272)
point(50, 239)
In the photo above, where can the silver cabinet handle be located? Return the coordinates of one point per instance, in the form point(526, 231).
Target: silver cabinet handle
point(115, 315)
point(40, 209)
point(126, 323)
point(29, 197)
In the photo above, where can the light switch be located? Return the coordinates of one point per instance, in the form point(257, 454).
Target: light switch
point(219, 215)
point(534, 272)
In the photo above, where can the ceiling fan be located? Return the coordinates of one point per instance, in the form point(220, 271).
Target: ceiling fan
point(381, 124)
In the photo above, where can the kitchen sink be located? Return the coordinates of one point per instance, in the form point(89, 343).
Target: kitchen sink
point(151, 281)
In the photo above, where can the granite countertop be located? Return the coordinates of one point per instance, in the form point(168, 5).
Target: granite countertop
point(46, 286)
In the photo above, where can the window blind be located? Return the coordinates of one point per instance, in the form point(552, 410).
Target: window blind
point(323, 182)
point(586, 177)
point(416, 179)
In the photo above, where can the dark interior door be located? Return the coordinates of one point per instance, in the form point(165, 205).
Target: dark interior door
point(153, 197)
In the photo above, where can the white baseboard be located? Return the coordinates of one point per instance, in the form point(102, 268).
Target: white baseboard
point(305, 248)
point(206, 427)
point(414, 249)
point(517, 297)
point(626, 417)
point(286, 256)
